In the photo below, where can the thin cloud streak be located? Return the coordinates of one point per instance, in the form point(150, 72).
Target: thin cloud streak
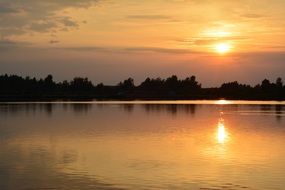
point(19, 17)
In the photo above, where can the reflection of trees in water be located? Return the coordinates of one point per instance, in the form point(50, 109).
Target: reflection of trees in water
point(81, 107)
point(128, 107)
point(278, 111)
point(47, 108)
point(265, 107)
point(171, 108)
point(13, 109)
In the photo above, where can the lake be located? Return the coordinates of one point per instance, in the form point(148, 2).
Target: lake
point(213, 145)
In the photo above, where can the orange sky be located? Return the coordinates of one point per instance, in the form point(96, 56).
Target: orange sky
point(109, 40)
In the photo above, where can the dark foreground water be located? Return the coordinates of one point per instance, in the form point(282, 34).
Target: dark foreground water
point(139, 145)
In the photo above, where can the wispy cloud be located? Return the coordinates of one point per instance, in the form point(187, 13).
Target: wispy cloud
point(161, 50)
point(204, 41)
point(9, 45)
point(13, 43)
point(6, 8)
point(253, 16)
point(149, 17)
point(18, 17)
point(54, 41)
point(131, 50)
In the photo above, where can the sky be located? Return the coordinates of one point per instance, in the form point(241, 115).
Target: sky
point(111, 40)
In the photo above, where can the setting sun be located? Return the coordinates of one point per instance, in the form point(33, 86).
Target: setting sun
point(222, 48)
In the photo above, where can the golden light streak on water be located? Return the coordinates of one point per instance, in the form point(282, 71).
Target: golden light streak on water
point(222, 134)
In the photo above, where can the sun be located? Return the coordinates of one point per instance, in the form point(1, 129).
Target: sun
point(222, 48)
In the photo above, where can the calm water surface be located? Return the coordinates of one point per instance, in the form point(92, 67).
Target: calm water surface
point(142, 145)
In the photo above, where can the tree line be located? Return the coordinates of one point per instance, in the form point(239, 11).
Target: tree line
point(15, 87)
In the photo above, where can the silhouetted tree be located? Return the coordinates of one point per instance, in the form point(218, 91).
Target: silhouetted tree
point(81, 84)
point(266, 85)
point(49, 84)
point(172, 83)
point(191, 83)
point(127, 84)
point(152, 84)
point(279, 82)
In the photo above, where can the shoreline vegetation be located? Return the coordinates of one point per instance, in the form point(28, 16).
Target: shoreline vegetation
point(17, 88)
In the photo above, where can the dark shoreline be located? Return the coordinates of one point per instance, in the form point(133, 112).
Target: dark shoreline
point(16, 88)
point(114, 98)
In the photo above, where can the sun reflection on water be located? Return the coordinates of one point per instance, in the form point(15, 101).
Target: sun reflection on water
point(222, 134)
point(222, 102)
